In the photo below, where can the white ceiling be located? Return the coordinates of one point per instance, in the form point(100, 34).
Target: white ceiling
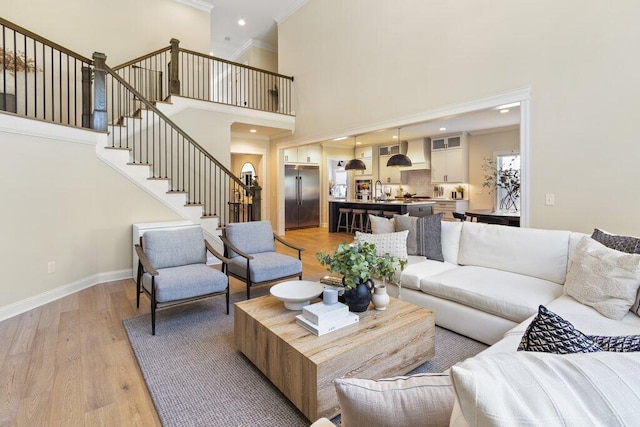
point(261, 17)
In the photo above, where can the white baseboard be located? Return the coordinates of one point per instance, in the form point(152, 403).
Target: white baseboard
point(30, 303)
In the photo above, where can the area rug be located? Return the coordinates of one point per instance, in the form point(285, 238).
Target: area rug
point(196, 377)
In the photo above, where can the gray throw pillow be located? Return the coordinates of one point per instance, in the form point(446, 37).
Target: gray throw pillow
point(408, 223)
point(428, 236)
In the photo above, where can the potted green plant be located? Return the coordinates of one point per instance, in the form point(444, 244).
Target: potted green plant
point(358, 263)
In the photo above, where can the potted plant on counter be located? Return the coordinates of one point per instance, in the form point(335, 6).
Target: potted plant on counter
point(358, 263)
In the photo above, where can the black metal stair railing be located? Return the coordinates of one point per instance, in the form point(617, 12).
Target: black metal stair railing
point(41, 79)
point(176, 71)
point(155, 141)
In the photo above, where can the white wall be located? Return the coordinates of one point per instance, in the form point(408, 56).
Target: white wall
point(360, 63)
point(122, 29)
point(62, 204)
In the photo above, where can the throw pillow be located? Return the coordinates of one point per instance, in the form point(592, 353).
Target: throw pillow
point(417, 400)
point(408, 223)
point(381, 225)
point(628, 244)
point(532, 389)
point(603, 278)
point(550, 333)
point(623, 344)
point(429, 236)
point(394, 244)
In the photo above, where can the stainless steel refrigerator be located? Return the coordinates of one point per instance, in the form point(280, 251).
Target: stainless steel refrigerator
point(301, 196)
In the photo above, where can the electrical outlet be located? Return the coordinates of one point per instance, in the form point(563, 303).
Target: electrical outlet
point(51, 267)
point(550, 199)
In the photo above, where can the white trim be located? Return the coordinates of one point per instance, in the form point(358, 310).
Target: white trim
point(49, 130)
point(35, 301)
point(293, 8)
point(250, 136)
point(202, 5)
point(253, 43)
point(525, 162)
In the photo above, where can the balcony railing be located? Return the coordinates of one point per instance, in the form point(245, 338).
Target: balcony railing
point(176, 71)
point(41, 79)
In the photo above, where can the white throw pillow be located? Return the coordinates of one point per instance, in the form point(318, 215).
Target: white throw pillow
point(524, 388)
point(394, 244)
point(382, 225)
point(417, 400)
point(603, 278)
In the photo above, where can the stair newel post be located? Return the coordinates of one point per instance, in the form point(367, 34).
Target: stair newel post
point(86, 97)
point(99, 120)
point(174, 78)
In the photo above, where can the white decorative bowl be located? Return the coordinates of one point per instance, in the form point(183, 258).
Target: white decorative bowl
point(296, 293)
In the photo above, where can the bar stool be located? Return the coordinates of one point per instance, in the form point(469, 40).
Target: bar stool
point(357, 220)
point(346, 212)
point(373, 212)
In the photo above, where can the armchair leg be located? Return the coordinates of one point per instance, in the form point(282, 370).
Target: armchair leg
point(227, 299)
point(248, 290)
point(138, 287)
point(153, 307)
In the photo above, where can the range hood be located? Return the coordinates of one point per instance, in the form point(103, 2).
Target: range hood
point(419, 151)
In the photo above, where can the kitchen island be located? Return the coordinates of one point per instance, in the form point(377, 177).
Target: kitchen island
point(413, 207)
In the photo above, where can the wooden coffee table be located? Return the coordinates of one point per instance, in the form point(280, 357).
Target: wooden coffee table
point(303, 366)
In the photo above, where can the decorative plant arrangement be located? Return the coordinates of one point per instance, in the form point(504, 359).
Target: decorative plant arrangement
point(16, 62)
point(507, 178)
point(358, 263)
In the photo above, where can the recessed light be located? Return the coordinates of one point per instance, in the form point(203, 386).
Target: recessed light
point(504, 110)
point(513, 104)
point(358, 143)
point(442, 129)
point(253, 131)
point(395, 136)
point(241, 22)
point(340, 138)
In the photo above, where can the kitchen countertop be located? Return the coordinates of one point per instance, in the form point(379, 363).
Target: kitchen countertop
point(387, 202)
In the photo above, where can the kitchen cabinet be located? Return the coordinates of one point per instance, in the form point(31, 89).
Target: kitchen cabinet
point(366, 155)
point(307, 154)
point(449, 159)
point(450, 206)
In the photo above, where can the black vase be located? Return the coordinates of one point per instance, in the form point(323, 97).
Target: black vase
point(358, 299)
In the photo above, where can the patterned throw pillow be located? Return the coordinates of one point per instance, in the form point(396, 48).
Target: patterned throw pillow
point(429, 236)
point(623, 344)
point(394, 244)
point(628, 244)
point(550, 333)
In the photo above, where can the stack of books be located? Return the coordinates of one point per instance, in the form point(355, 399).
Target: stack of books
point(321, 318)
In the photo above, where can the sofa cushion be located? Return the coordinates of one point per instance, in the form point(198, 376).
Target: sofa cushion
point(393, 244)
point(548, 389)
point(603, 278)
point(415, 271)
point(501, 293)
point(416, 400)
point(528, 251)
point(550, 333)
point(186, 281)
point(266, 266)
point(173, 248)
point(250, 237)
point(450, 238)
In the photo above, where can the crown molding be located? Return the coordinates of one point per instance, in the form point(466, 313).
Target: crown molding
point(253, 43)
point(203, 5)
point(290, 11)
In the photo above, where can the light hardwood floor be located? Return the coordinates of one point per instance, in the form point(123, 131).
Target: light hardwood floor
point(69, 362)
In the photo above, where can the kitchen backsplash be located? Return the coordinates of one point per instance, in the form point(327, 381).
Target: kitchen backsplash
point(419, 182)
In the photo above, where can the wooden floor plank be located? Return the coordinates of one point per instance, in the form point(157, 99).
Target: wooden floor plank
point(70, 363)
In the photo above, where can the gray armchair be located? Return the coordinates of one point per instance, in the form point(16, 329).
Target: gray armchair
point(250, 247)
point(173, 270)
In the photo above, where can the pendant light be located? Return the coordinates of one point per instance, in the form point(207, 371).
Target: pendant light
point(399, 159)
point(355, 164)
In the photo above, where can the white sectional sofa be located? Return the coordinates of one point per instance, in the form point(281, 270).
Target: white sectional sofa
point(489, 288)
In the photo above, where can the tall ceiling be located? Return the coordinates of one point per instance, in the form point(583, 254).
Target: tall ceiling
point(260, 16)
